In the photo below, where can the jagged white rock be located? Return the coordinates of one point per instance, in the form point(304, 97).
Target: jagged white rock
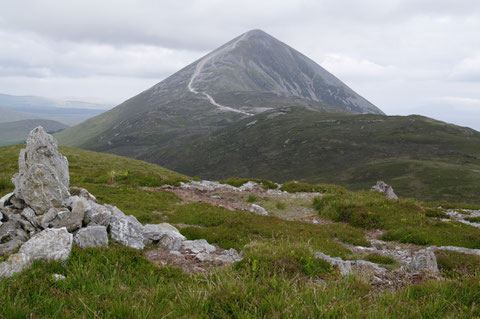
point(43, 180)
point(383, 187)
point(127, 230)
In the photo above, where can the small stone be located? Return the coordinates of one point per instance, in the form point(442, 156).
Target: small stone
point(58, 277)
point(50, 244)
point(45, 219)
point(91, 236)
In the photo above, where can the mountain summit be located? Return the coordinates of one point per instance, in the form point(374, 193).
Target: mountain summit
point(257, 62)
point(248, 75)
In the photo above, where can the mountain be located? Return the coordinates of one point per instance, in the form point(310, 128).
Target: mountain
point(246, 76)
point(71, 112)
point(17, 132)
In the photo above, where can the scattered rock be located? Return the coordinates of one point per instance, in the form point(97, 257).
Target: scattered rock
point(43, 180)
point(16, 263)
point(50, 244)
point(165, 234)
point(91, 236)
point(198, 246)
point(126, 229)
point(383, 187)
point(11, 230)
point(357, 267)
point(259, 210)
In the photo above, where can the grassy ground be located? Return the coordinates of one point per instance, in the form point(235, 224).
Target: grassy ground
point(278, 277)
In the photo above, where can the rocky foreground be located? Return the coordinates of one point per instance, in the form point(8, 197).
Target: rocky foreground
point(43, 218)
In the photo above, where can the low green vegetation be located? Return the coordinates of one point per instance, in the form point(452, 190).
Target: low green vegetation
point(404, 220)
point(457, 265)
point(251, 198)
point(296, 187)
point(436, 213)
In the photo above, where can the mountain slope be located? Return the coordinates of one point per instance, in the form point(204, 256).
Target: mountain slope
point(17, 132)
point(420, 157)
point(248, 75)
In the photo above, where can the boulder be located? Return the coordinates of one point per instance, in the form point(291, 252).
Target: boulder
point(164, 234)
point(43, 180)
point(424, 262)
point(126, 229)
point(5, 200)
point(16, 263)
point(50, 244)
point(383, 187)
point(259, 210)
point(72, 220)
point(98, 215)
point(91, 236)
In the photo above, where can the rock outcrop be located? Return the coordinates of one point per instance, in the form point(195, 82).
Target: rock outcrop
point(384, 188)
point(43, 220)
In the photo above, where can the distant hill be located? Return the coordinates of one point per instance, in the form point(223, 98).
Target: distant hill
point(17, 132)
point(248, 75)
point(15, 108)
point(419, 156)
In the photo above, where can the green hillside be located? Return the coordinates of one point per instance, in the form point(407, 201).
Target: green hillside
point(16, 132)
point(278, 257)
point(420, 157)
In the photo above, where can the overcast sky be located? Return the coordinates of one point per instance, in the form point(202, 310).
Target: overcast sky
point(405, 56)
